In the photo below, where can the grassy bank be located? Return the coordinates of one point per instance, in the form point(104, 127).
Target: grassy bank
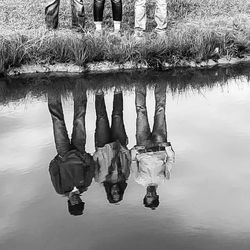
point(195, 29)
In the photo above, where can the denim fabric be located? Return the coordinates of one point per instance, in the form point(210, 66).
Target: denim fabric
point(105, 134)
point(52, 13)
point(78, 141)
point(160, 15)
point(116, 10)
point(144, 137)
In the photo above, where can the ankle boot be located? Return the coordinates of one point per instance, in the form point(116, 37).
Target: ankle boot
point(51, 14)
point(78, 15)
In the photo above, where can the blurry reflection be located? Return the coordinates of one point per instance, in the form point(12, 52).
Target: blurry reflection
point(72, 170)
point(153, 153)
point(112, 156)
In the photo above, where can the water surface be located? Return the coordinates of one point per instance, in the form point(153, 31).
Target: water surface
point(205, 204)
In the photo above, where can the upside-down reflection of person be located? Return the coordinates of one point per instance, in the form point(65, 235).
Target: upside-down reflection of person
point(112, 156)
point(72, 170)
point(153, 153)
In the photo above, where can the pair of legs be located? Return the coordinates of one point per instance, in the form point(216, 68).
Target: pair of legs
point(105, 134)
point(160, 16)
point(144, 137)
point(116, 10)
point(78, 139)
point(52, 12)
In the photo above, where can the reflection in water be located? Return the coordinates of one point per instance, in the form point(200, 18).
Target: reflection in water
point(72, 169)
point(205, 204)
point(112, 156)
point(153, 153)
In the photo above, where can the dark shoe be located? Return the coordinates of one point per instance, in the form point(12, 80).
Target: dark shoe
point(51, 14)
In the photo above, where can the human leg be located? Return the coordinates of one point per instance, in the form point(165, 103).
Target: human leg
point(159, 133)
point(117, 14)
point(59, 128)
point(78, 15)
point(161, 16)
point(79, 132)
point(102, 132)
point(140, 15)
point(51, 14)
point(142, 125)
point(117, 127)
point(98, 13)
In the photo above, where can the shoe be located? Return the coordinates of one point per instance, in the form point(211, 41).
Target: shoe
point(139, 35)
point(159, 34)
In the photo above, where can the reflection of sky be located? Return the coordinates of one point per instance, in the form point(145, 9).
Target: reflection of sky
point(206, 203)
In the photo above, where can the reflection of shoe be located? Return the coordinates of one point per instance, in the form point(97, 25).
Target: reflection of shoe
point(99, 92)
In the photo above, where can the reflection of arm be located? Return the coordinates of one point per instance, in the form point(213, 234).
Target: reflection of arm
point(55, 176)
point(169, 161)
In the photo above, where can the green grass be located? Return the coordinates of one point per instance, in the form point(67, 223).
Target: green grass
point(195, 29)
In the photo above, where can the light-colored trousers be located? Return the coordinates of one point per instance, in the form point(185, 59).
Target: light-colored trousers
point(160, 15)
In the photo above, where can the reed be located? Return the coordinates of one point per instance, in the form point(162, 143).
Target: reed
point(195, 29)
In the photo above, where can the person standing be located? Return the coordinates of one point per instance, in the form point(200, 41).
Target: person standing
point(160, 17)
point(77, 11)
point(112, 156)
point(72, 170)
point(98, 8)
point(153, 154)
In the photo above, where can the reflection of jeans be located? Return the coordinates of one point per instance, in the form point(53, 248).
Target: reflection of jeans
point(104, 134)
point(78, 139)
point(160, 15)
point(116, 10)
point(159, 134)
point(52, 11)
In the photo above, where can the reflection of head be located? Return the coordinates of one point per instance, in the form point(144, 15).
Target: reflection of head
point(151, 199)
point(75, 205)
point(115, 191)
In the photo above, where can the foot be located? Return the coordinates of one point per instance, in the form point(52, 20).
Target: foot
point(139, 35)
point(99, 92)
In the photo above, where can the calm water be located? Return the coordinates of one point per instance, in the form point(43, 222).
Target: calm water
point(205, 204)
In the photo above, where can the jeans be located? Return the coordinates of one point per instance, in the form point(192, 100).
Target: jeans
point(78, 138)
point(52, 11)
point(116, 10)
point(105, 134)
point(144, 137)
point(160, 15)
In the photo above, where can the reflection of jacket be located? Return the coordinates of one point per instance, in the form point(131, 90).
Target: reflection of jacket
point(152, 167)
point(104, 156)
point(73, 169)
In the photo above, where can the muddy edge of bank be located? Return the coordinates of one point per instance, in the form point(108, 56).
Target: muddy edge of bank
point(110, 66)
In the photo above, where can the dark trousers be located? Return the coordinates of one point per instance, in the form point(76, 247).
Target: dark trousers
point(144, 137)
point(105, 134)
point(78, 138)
point(52, 13)
point(116, 10)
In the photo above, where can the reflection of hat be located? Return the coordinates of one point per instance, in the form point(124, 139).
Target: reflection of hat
point(76, 209)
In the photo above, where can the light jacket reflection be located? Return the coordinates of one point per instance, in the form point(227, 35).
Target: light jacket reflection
point(111, 156)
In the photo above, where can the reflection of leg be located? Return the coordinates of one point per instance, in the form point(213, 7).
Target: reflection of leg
point(102, 133)
point(117, 128)
point(78, 15)
point(159, 133)
point(51, 14)
point(60, 132)
point(79, 131)
point(142, 125)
